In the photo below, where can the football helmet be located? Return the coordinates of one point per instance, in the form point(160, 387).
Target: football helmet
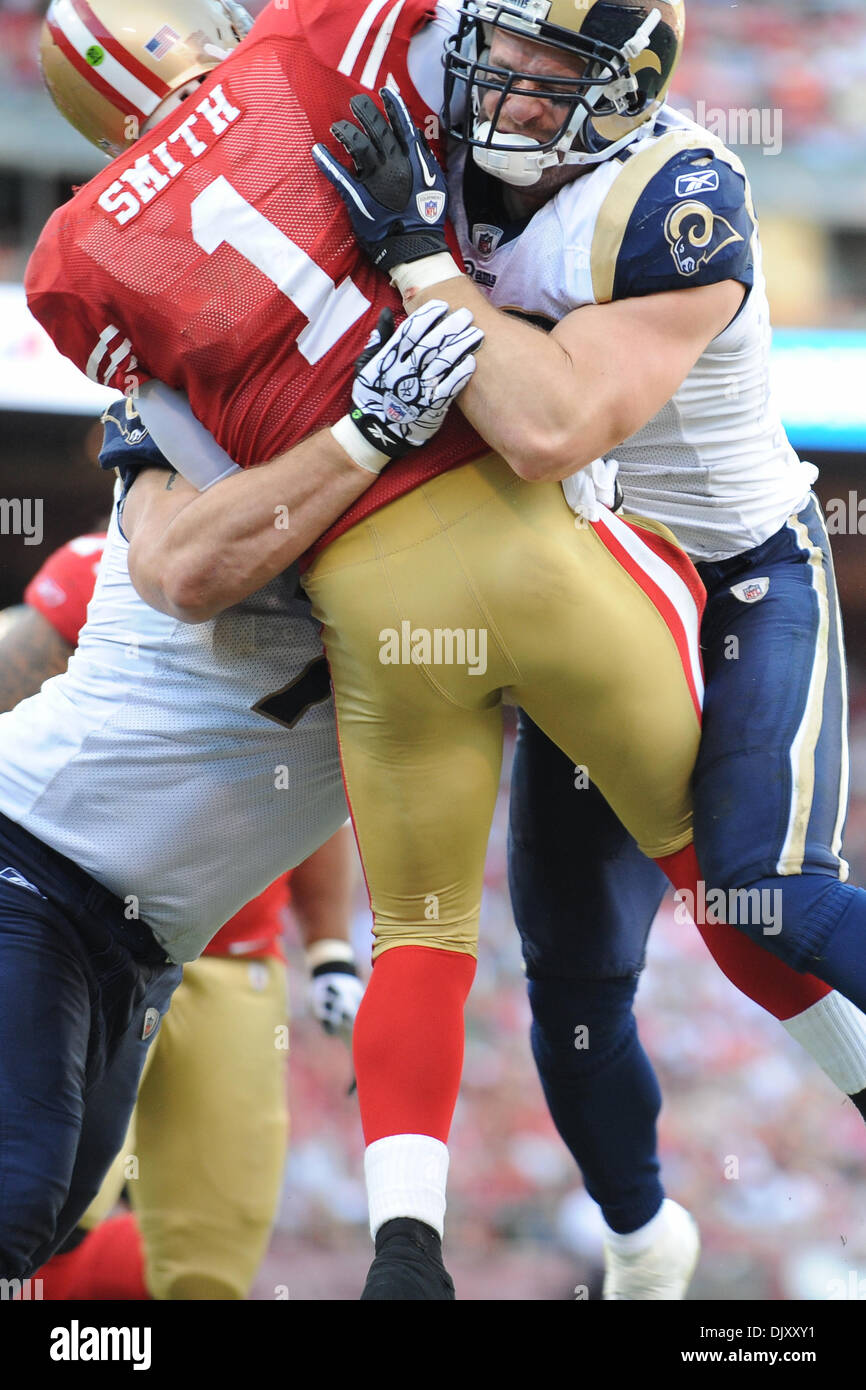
point(109, 64)
point(629, 53)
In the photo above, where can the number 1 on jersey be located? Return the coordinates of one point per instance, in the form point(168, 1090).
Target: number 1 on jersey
point(221, 214)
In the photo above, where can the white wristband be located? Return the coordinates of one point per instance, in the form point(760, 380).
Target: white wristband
point(327, 950)
point(350, 438)
point(419, 275)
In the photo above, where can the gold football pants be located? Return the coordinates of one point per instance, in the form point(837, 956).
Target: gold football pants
point(204, 1157)
point(475, 587)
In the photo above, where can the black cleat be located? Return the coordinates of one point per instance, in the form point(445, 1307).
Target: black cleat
point(408, 1264)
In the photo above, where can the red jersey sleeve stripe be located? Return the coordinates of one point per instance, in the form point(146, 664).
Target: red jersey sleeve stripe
point(359, 37)
point(370, 75)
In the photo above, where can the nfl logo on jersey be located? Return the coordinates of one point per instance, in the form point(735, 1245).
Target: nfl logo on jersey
point(486, 238)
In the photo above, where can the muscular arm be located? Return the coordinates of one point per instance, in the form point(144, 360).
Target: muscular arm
point(551, 403)
point(193, 554)
point(31, 651)
point(322, 888)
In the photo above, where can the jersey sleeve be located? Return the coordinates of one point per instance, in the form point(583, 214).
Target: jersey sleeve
point(63, 294)
point(63, 587)
point(688, 224)
point(127, 445)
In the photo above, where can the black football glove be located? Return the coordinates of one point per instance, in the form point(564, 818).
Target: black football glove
point(396, 198)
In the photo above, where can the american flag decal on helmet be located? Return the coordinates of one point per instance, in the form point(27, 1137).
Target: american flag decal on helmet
point(118, 76)
point(162, 42)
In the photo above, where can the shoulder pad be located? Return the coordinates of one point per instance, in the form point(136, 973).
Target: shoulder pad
point(679, 215)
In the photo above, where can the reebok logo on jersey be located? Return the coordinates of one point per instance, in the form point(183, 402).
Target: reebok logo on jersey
point(751, 590)
point(704, 181)
point(10, 875)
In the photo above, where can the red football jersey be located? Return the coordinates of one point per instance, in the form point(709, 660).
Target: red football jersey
point(215, 256)
point(61, 590)
point(257, 929)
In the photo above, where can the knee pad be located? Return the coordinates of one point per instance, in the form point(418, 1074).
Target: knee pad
point(581, 1026)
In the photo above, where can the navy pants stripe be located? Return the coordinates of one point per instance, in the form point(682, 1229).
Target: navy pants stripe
point(770, 667)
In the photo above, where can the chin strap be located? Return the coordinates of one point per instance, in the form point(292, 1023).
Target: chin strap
point(640, 39)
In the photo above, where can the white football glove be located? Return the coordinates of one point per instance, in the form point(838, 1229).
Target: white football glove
point(593, 490)
point(335, 990)
point(406, 381)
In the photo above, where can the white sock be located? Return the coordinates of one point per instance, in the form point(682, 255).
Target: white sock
point(642, 1238)
point(833, 1031)
point(406, 1176)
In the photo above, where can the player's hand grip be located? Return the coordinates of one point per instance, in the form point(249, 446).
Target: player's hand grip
point(396, 196)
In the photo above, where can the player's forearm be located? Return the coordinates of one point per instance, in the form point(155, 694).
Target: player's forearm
point(552, 403)
point(522, 399)
point(240, 534)
point(322, 890)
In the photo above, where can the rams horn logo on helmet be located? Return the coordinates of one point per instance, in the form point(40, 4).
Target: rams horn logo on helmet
point(696, 234)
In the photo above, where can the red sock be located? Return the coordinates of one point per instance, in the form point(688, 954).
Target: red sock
point(108, 1264)
point(408, 1041)
point(759, 975)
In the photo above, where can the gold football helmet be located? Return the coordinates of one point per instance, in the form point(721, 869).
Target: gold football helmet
point(628, 53)
point(109, 64)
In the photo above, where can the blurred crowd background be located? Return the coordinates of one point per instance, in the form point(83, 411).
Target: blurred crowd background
point(785, 84)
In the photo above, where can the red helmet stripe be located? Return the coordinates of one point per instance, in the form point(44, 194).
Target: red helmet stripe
point(105, 89)
point(117, 50)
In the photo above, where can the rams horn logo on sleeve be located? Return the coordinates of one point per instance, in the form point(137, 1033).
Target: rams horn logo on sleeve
point(132, 428)
point(696, 234)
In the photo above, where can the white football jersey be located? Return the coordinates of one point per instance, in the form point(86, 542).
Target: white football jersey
point(148, 764)
point(671, 211)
